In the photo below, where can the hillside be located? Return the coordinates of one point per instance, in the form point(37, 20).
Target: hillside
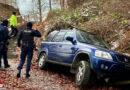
point(6, 11)
point(110, 20)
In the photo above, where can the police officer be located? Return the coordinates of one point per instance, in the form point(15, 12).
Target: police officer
point(13, 24)
point(27, 47)
point(4, 43)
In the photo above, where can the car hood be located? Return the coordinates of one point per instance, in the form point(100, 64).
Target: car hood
point(104, 49)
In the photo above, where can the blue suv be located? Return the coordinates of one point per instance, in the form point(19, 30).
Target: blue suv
point(87, 55)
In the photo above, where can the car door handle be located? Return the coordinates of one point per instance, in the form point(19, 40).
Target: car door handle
point(60, 45)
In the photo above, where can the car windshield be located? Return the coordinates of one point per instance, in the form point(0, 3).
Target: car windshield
point(86, 37)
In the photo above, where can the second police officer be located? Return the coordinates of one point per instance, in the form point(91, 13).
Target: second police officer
point(27, 47)
point(4, 43)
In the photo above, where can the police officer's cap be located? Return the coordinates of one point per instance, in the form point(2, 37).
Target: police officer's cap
point(29, 24)
point(5, 23)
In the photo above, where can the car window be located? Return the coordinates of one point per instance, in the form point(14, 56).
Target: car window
point(51, 35)
point(89, 38)
point(59, 37)
point(68, 34)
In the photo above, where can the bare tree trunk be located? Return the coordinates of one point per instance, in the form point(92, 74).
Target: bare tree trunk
point(5, 1)
point(50, 5)
point(16, 3)
point(28, 18)
point(62, 3)
point(40, 10)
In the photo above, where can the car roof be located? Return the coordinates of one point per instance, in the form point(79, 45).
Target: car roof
point(66, 30)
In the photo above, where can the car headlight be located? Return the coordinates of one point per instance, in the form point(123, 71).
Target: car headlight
point(103, 54)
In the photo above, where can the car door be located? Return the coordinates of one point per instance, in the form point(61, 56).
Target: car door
point(55, 45)
point(67, 49)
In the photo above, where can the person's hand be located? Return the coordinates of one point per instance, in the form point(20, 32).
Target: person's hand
point(18, 49)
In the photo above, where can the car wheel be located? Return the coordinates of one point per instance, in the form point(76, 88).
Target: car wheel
point(84, 74)
point(42, 64)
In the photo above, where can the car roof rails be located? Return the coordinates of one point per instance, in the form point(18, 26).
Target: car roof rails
point(85, 31)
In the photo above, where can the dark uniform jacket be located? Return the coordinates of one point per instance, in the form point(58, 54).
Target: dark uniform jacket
point(4, 33)
point(27, 37)
point(4, 37)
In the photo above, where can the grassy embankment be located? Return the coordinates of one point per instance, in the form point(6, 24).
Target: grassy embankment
point(109, 20)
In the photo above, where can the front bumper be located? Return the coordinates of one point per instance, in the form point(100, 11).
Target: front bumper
point(110, 67)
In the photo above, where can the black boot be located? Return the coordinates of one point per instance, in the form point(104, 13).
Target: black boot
point(7, 66)
point(18, 73)
point(27, 74)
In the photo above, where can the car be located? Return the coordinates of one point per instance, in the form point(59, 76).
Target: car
point(87, 56)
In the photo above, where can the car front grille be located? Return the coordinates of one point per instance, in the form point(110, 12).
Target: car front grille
point(123, 59)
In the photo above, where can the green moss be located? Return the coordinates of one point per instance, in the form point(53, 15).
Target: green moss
point(120, 18)
point(69, 16)
point(116, 15)
point(123, 21)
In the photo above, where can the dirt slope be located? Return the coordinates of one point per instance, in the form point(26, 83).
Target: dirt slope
point(51, 79)
point(6, 11)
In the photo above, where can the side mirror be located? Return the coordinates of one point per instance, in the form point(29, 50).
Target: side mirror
point(69, 39)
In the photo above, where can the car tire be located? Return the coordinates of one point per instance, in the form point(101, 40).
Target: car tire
point(83, 76)
point(42, 64)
